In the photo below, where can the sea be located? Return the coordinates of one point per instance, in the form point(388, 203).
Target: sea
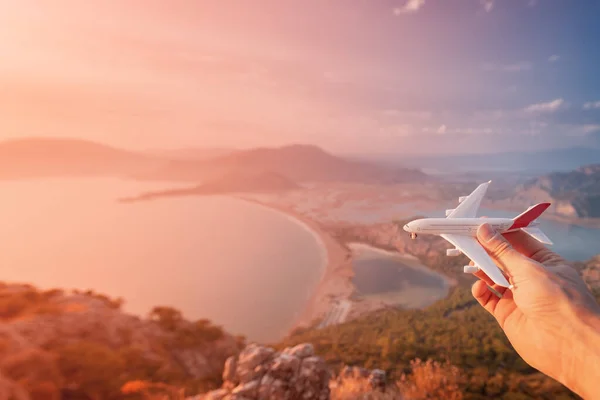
point(245, 267)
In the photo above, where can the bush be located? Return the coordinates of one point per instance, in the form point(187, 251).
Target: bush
point(431, 380)
point(167, 318)
point(95, 369)
point(36, 371)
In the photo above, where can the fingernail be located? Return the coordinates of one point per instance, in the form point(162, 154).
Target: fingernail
point(486, 232)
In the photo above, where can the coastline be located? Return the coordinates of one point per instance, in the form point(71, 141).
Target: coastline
point(408, 260)
point(335, 282)
point(335, 285)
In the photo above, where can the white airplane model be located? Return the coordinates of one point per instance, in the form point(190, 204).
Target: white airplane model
point(460, 228)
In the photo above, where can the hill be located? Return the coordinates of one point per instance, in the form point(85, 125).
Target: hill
point(574, 193)
point(299, 163)
point(192, 154)
point(540, 162)
point(55, 344)
point(235, 181)
point(57, 157)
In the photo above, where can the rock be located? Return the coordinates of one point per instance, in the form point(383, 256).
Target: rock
point(218, 394)
point(313, 378)
point(247, 390)
point(229, 370)
point(302, 350)
point(264, 391)
point(377, 379)
point(284, 367)
point(263, 374)
point(250, 358)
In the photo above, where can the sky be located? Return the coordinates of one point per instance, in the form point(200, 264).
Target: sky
point(352, 76)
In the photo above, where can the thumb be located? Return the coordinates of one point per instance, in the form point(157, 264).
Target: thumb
point(513, 263)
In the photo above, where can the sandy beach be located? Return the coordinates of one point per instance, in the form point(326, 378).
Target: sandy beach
point(335, 283)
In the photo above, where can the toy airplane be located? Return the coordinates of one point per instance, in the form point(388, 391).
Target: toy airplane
point(460, 228)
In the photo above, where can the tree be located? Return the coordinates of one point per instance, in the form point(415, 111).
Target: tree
point(94, 369)
point(167, 317)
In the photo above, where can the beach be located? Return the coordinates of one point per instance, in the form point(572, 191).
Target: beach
point(336, 284)
point(336, 279)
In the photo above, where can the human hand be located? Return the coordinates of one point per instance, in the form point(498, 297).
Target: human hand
point(550, 317)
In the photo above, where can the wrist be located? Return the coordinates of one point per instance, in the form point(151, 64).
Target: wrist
point(582, 367)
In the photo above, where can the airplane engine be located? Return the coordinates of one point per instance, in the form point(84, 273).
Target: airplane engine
point(462, 198)
point(453, 252)
point(448, 212)
point(470, 269)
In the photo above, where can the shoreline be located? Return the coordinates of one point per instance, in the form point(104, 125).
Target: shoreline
point(335, 284)
point(336, 271)
point(408, 260)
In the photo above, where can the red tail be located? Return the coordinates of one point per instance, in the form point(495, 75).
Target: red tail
point(528, 216)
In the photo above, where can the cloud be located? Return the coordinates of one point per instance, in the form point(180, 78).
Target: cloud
point(553, 58)
point(404, 114)
point(411, 6)
point(444, 130)
point(488, 5)
point(548, 107)
point(590, 128)
point(591, 105)
point(514, 67)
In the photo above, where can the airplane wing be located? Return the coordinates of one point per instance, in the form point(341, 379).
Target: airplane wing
point(471, 247)
point(469, 207)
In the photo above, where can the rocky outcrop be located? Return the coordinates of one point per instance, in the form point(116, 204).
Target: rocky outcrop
point(260, 372)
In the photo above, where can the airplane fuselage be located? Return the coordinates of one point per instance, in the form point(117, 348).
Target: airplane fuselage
point(457, 226)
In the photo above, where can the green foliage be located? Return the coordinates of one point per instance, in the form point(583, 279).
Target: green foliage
point(167, 318)
point(112, 303)
point(451, 329)
point(97, 370)
point(24, 300)
point(197, 334)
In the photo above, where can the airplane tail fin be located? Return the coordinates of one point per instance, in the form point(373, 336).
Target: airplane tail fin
point(524, 220)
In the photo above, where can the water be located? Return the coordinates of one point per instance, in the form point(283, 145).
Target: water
point(394, 280)
point(243, 266)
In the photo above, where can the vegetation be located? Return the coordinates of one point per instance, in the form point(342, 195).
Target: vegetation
point(465, 354)
point(428, 380)
point(451, 332)
point(96, 360)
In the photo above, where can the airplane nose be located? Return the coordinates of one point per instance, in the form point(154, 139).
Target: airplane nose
point(406, 228)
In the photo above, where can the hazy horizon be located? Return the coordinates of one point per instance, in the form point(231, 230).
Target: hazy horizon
point(414, 76)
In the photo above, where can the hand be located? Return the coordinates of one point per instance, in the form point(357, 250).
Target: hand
point(550, 317)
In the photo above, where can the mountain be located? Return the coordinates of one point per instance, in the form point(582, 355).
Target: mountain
point(40, 157)
point(235, 181)
point(192, 154)
point(573, 194)
point(299, 163)
point(539, 162)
